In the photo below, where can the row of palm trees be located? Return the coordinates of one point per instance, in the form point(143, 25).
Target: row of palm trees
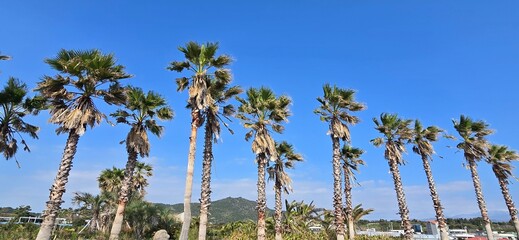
point(85, 76)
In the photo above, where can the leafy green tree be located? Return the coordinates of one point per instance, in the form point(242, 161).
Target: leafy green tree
point(286, 159)
point(22, 211)
point(142, 109)
point(501, 158)
point(214, 114)
point(422, 145)
point(351, 161)
point(335, 108)
point(262, 112)
point(474, 146)
point(13, 100)
point(201, 60)
point(71, 94)
point(396, 133)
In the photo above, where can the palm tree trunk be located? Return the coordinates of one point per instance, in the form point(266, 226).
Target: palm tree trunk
point(262, 199)
point(124, 194)
point(94, 222)
point(400, 195)
point(58, 188)
point(189, 175)
point(444, 234)
point(277, 211)
point(205, 198)
point(337, 188)
point(509, 203)
point(349, 209)
point(479, 195)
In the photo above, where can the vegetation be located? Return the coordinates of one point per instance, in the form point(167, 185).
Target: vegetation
point(474, 144)
point(199, 59)
point(262, 112)
point(422, 145)
point(87, 79)
point(396, 133)
point(335, 108)
point(141, 110)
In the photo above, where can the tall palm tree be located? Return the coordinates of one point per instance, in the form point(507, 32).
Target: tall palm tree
point(474, 146)
point(142, 109)
point(215, 113)
point(336, 105)
point(12, 123)
point(351, 161)
point(286, 159)
point(71, 93)
point(262, 112)
point(396, 133)
point(422, 145)
point(501, 159)
point(201, 60)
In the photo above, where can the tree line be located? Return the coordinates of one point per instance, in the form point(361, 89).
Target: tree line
point(85, 79)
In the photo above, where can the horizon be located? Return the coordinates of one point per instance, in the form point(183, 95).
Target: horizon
point(428, 60)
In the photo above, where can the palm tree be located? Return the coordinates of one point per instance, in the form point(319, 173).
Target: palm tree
point(351, 161)
point(263, 112)
point(299, 216)
point(286, 159)
point(94, 204)
point(200, 59)
point(71, 96)
point(358, 212)
point(474, 146)
point(422, 146)
point(110, 180)
point(12, 123)
point(220, 93)
point(501, 159)
point(141, 173)
point(142, 109)
point(396, 133)
point(335, 107)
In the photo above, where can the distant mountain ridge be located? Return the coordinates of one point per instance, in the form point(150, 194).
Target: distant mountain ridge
point(224, 210)
point(495, 216)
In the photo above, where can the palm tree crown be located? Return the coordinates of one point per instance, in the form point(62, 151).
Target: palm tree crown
point(396, 133)
point(501, 159)
point(473, 135)
point(142, 109)
point(422, 139)
point(71, 94)
point(286, 159)
point(12, 121)
point(259, 111)
point(334, 108)
point(351, 159)
point(200, 59)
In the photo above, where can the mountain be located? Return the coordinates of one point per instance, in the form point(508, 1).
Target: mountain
point(495, 216)
point(223, 210)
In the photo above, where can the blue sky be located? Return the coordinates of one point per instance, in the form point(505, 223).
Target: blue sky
point(431, 60)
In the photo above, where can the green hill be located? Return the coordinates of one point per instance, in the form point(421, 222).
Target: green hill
point(224, 210)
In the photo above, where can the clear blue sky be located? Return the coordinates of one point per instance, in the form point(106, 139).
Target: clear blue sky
point(431, 60)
